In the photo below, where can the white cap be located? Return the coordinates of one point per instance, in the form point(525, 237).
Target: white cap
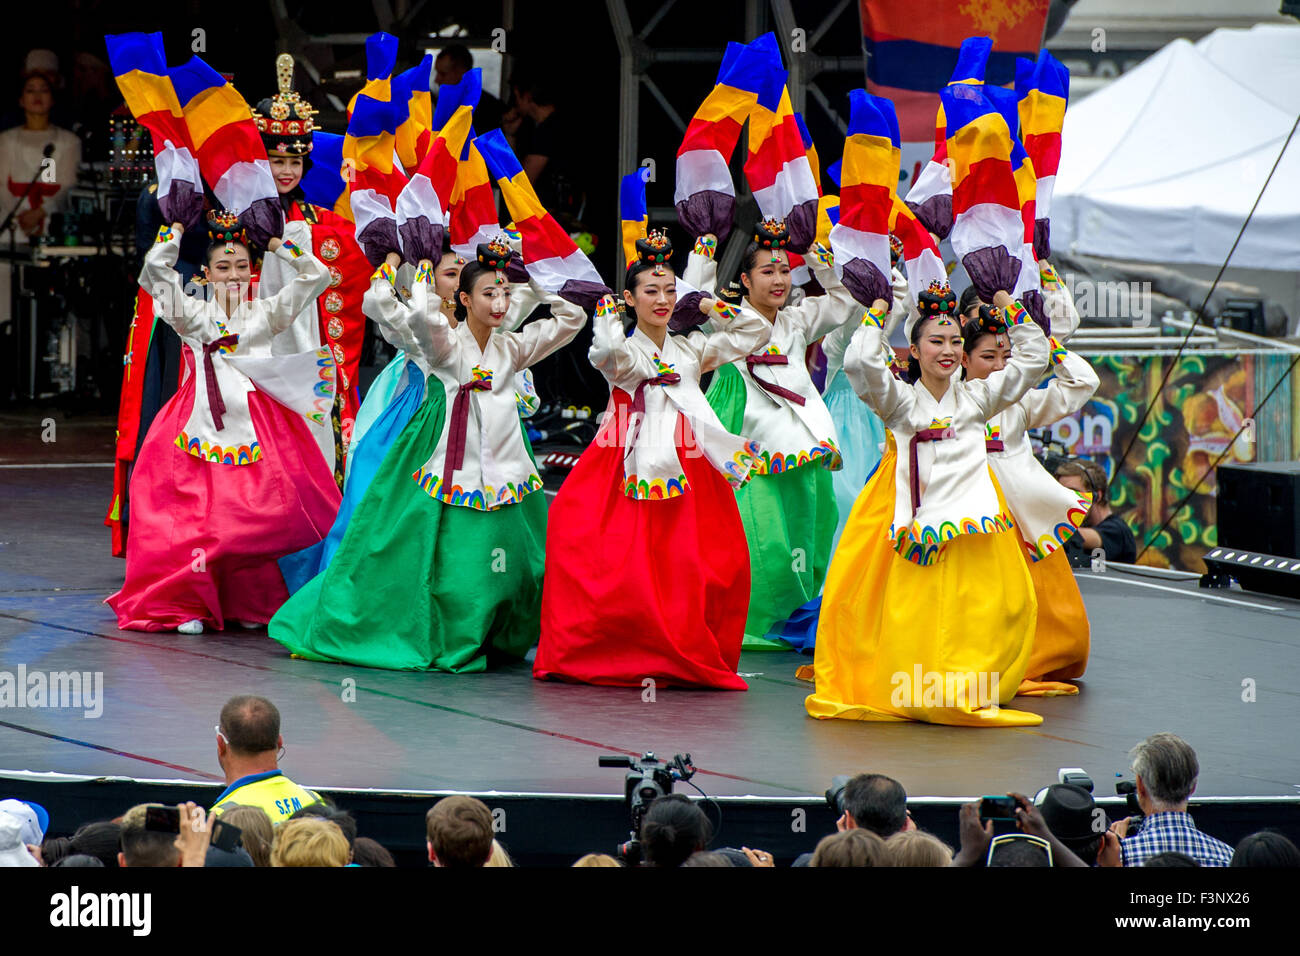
point(12, 851)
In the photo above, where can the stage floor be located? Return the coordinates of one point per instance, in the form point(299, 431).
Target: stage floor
point(1165, 656)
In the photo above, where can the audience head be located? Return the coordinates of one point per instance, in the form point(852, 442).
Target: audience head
point(256, 830)
point(1071, 814)
point(146, 848)
point(708, 858)
point(367, 852)
point(499, 856)
point(346, 822)
point(35, 819)
point(102, 840)
point(1017, 850)
point(597, 859)
point(672, 830)
point(13, 851)
point(533, 88)
point(1083, 474)
point(309, 841)
point(1267, 848)
point(877, 803)
point(80, 860)
point(459, 832)
point(1166, 770)
point(856, 847)
point(249, 732)
point(451, 64)
point(917, 848)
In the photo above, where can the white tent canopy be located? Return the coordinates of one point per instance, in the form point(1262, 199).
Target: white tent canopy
point(1164, 164)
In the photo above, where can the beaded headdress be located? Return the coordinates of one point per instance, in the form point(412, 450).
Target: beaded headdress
point(285, 120)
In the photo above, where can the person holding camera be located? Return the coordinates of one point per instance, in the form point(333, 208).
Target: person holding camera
point(1102, 529)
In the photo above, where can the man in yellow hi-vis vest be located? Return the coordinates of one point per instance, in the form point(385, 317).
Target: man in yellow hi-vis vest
point(249, 747)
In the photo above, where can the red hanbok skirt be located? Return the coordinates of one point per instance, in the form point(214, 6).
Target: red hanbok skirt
point(638, 589)
point(204, 538)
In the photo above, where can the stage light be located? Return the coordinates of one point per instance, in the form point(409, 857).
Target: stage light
point(1253, 570)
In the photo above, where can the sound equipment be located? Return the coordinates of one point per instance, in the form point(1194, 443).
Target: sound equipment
point(1259, 507)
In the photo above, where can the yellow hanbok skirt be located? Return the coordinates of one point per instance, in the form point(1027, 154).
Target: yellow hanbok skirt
point(1061, 637)
point(945, 644)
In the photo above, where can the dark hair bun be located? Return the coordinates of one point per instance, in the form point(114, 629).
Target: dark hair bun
point(731, 292)
point(494, 254)
point(989, 321)
point(223, 226)
point(772, 234)
point(938, 299)
point(655, 248)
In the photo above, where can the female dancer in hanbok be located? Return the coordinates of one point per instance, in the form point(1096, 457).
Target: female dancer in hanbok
point(369, 449)
point(229, 477)
point(940, 630)
point(647, 570)
point(789, 509)
point(1046, 513)
point(441, 564)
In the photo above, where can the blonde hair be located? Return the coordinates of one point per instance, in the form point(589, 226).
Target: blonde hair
point(917, 848)
point(309, 841)
point(499, 856)
point(598, 859)
point(856, 847)
point(255, 827)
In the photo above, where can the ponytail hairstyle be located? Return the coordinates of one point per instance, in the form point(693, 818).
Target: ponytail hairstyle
point(490, 257)
point(933, 302)
point(987, 322)
point(770, 235)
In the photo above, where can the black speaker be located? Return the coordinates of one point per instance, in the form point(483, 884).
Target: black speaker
point(1259, 507)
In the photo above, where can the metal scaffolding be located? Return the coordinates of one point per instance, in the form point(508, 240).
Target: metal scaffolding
point(801, 38)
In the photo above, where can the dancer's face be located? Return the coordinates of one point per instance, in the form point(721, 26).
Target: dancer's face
point(938, 348)
point(653, 299)
point(490, 300)
point(986, 356)
point(767, 282)
point(287, 171)
point(447, 276)
point(229, 271)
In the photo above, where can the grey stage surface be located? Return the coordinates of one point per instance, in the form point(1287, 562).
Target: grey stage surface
point(1164, 657)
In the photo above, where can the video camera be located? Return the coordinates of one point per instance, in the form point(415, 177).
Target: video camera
point(647, 778)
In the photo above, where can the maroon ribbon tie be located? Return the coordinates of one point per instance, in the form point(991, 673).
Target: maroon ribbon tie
point(459, 425)
point(993, 444)
point(925, 434)
point(752, 360)
point(216, 404)
point(638, 405)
